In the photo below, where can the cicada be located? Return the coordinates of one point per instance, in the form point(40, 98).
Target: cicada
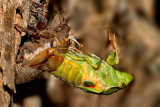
point(87, 72)
point(58, 57)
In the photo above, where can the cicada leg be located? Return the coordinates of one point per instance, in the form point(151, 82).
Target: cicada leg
point(81, 47)
point(21, 29)
point(41, 57)
point(92, 59)
point(44, 33)
point(113, 58)
point(47, 60)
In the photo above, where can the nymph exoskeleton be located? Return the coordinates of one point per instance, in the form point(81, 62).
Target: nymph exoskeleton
point(57, 39)
point(55, 35)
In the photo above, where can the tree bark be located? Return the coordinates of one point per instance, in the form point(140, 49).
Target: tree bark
point(9, 42)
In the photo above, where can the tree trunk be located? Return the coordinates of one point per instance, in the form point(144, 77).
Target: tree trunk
point(9, 42)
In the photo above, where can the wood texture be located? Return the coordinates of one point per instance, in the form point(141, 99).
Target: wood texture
point(9, 43)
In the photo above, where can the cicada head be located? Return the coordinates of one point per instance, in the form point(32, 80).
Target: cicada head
point(105, 84)
point(123, 79)
point(104, 79)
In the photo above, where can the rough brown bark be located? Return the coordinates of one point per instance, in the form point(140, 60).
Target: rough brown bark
point(9, 42)
point(7, 51)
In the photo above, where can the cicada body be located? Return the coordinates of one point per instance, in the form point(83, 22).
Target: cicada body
point(91, 74)
point(87, 72)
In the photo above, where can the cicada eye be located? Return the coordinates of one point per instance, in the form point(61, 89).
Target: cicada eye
point(58, 29)
point(88, 83)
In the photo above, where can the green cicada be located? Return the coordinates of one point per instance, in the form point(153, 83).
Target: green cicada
point(87, 72)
